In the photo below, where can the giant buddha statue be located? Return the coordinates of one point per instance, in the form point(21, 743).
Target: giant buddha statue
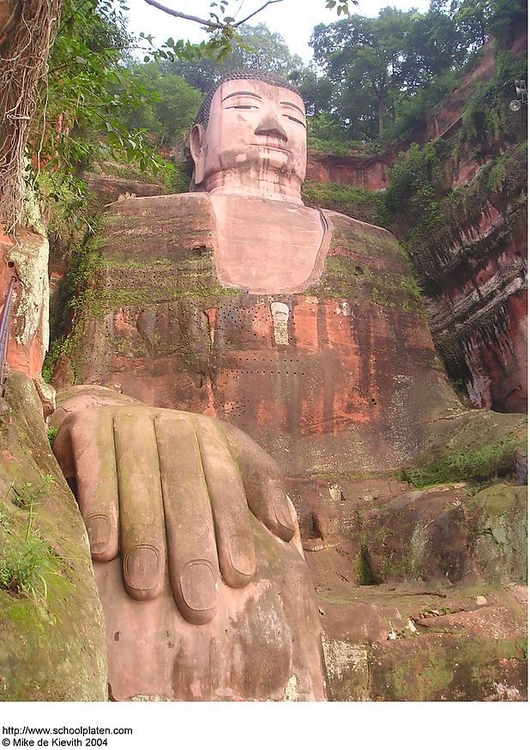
point(300, 326)
point(232, 311)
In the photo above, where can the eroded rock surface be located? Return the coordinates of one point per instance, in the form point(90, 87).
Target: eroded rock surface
point(51, 623)
point(346, 380)
point(420, 594)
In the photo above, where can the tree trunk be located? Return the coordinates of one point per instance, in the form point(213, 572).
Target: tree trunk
point(27, 31)
point(381, 112)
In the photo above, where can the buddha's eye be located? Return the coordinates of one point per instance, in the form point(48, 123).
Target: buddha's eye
point(295, 119)
point(243, 106)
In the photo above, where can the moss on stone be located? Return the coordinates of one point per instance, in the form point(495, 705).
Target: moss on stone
point(449, 668)
point(498, 519)
point(52, 631)
point(476, 446)
point(349, 278)
point(481, 465)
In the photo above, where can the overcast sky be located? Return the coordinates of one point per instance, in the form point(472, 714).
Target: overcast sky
point(293, 19)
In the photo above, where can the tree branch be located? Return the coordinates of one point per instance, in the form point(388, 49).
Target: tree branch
point(203, 21)
point(269, 2)
point(185, 16)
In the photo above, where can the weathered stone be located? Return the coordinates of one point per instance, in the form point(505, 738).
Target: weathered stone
point(412, 643)
point(499, 533)
point(445, 668)
point(354, 388)
point(444, 534)
point(27, 260)
point(51, 623)
point(263, 645)
point(249, 631)
point(112, 188)
point(368, 172)
point(334, 372)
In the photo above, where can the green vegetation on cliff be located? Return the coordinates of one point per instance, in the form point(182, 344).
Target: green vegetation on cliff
point(482, 465)
point(428, 215)
point(365, 205)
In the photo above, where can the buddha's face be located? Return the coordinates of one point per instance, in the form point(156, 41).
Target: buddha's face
point(256, 131)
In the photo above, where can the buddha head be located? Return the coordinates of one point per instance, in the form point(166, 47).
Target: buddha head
point(249, 138)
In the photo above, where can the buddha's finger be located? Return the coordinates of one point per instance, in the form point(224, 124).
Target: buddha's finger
point(84, 447)
point(231, 514)
point(192, 551)
point(142, 532)
point(263, 483)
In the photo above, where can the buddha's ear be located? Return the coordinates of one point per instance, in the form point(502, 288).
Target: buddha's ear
point(197, 152)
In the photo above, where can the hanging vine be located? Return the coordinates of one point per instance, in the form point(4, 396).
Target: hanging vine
point(27, 34)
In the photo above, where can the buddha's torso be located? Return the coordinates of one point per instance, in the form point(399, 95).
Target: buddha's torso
point(333, 372)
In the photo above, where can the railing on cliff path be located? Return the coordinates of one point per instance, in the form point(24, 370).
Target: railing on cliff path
point(4, 330)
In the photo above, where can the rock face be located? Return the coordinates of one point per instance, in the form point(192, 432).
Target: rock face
point(449, 112)
point(472, 267)
point(111, 189)
point(53, 636)
point(342, 377)
point(419, 591)
point(369, 172)
point(27, 260)
point(473, 271)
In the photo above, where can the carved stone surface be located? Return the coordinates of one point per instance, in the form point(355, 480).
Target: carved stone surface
point(264, 644)
point(349, 383)
point(302, 327)
point(196, 552)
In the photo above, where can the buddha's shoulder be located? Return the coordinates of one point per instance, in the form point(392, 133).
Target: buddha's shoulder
point(159, 225)
point(355, 235)
point(162, 206)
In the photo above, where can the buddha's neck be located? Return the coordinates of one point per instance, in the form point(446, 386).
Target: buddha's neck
point(272, 187)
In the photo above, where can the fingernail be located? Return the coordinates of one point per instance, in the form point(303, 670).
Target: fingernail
point(141, 568)
point(98, 528)
point(284, 519)
point(242, 555)
point(198, 584)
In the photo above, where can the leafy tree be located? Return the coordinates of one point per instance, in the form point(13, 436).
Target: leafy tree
point(256, 47)
point(378, 65)
point(365, 59)
point(435, 45)
point(88, 89)
point(169, 107)
point(478, 19)
point(508, 19)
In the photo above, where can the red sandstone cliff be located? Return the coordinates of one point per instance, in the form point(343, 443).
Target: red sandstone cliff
point(472, 268)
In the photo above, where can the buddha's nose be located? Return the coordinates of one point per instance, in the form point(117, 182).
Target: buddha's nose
point(270, 125)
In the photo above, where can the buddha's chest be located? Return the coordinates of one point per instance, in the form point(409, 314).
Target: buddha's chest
point(268, 246)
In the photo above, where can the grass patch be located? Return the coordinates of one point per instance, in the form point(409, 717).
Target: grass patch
point(475, 466)
point(25, 559)
point(366, 205)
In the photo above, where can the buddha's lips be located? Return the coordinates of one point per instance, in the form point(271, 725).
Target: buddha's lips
point(273, 146)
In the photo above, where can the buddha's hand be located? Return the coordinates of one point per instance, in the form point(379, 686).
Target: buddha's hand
point(157, 485)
